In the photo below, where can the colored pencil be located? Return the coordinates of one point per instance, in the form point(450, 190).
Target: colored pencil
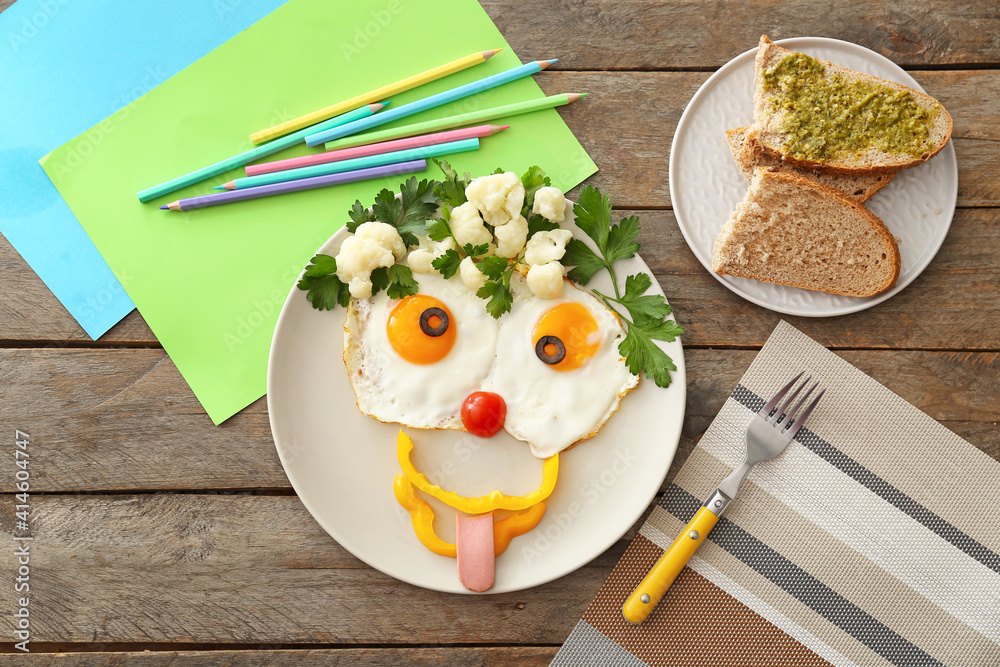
point(374, 149)
point(454, 121)
point(445, 97)
point(349, 165)
point(296, 186)
point(256, 153)
point(374, 95)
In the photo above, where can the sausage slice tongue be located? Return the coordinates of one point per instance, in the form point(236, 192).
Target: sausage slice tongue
point(474, 544)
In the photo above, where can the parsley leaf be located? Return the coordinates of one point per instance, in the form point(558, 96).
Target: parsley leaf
point(452, 189)
point(409, 212)
point(447, 263)
point(614, 242)
point(593, 215)
point(358, 214)
point(533, 179)
point(621, 243)
point(498, 293)
point(439, 230)
point(585, 262)
point(401, 282)
point(539, 223)
point(642, 354)
point(324, 289)
point(380, 279)
point(477, 250)
point(640, 304)
point(493, 267)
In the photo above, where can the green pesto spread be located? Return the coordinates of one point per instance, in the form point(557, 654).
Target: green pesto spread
point(833, 117)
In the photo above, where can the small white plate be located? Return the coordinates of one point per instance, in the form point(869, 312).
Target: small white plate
point(705, 185)
point(342, 463)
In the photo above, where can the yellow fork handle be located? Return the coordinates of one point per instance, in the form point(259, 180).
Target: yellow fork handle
point(659, 579)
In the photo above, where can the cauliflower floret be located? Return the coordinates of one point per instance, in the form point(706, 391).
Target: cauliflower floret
point(546, 280)
point(383, 234)
point(420, 258)
point(467, 226)
point(545, 247)
point(511, 236)
point(498, 197)
point(471, 275)
point(374, 245)
point(551, 203)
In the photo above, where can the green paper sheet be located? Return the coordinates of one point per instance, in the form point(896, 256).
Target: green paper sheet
point(210, 282)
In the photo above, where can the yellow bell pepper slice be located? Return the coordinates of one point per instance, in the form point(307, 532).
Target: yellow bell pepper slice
point(494, 500)
point(422, 517)
point(516, 524)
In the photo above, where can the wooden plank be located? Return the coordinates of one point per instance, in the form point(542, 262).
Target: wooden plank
point(275, 656)
point(960, 283)
point(248, 569)
point(639, 34)
point(627, 125)
point(125, 420)
point(633, 160)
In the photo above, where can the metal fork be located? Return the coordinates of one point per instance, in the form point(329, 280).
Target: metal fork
point(772, 428)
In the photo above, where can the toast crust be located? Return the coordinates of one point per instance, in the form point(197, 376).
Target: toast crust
point(748, 155)
point(772, 138)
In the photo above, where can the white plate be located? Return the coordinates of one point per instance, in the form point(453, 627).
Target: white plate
point(342, 463)
point(705, 184)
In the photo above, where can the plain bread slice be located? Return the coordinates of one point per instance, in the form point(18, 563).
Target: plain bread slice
point(791, 230)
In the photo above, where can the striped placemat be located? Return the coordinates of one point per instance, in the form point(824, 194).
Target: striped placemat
point(874, 539)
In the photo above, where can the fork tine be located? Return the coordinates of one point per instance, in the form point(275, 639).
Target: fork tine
point(766, 410)
point(801, 421)
point(783, 410)
point(791, 413)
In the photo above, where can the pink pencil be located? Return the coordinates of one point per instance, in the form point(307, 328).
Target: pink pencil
point(375, 149)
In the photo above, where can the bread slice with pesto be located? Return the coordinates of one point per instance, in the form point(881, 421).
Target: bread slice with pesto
point(792, 230)
point(748, 155)
point(820, 116)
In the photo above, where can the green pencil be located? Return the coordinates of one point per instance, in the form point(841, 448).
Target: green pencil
point(256, 153)
point(449, 122)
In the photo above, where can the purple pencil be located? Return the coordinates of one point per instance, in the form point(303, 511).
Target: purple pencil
point(297, 186)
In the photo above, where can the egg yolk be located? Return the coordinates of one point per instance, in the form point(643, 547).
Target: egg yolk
point(421, 329)
point(570, 333)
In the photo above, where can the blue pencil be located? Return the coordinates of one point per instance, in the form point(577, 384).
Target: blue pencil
point(317, 138)
point(349, 165)
point(255, 153)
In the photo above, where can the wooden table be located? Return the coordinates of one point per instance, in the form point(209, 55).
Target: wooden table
point(157, 531)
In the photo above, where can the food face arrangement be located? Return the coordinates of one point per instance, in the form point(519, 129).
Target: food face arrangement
point(824, 140)
point(461, 315)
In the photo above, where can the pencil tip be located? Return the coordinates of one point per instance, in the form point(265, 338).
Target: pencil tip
point(164, 207)
point(489, 54)
point(544, 64)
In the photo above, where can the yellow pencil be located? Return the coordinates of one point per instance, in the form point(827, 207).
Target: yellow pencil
point(373, 96)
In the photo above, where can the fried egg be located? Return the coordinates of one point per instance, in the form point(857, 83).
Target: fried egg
point(415, 360)
point(558, 368)
point(554, 362)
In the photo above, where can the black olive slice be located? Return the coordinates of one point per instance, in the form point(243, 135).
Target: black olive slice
point(425, 322)
point(554, 358)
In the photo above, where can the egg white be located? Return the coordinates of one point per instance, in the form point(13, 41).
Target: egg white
point(553, 409)
point(392, 389)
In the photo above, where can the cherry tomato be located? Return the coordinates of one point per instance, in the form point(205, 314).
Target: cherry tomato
point(483, 413)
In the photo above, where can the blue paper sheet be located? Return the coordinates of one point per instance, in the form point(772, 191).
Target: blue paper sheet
point(64, 66)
